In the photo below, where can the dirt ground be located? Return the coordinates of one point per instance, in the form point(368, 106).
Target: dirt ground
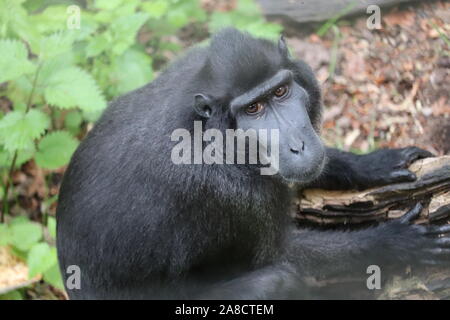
point(391, 86)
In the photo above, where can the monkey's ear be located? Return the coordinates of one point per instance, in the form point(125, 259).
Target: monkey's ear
point(202, 105)
point(282, 47)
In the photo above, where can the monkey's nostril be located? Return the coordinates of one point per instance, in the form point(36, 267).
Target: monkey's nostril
point(296, 150)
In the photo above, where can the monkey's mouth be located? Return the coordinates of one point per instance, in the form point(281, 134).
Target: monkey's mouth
point(304, 172)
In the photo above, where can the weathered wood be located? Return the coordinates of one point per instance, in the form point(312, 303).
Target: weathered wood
point(432, 187)
point(302, 11)
point(348, 209)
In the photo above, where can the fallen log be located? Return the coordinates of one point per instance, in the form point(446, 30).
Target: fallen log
point(354, 209)
point(300, 11)
point(432, 188)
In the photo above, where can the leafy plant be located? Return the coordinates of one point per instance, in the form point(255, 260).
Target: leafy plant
point(332, 24)
point(334, 20)
point(246, 17)
point(54, 85)
point(26, 239)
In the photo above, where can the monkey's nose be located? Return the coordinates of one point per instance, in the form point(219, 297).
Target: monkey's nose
point(299, 147)
point(295, 142)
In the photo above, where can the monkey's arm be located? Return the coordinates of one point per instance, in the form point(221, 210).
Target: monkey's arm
point(390, 245)
point(346, 171)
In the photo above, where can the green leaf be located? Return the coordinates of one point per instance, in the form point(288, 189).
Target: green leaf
point(246, 17)
point(124, 30)
point(107, 4)
point(55, 44)
point(40, 259)
point(183, 12)
point(55, 18)
point(12, 295)
point(264, 30)
point(220, 20)
point(156, 9)
point(25, 235)
point(53, 276)
point(248, 7)
point(92, 116)
point(74, 87)
point(51, 19)
point(52, 66)
point(55, 150)
point(34, 5)
point(97, 45)
point(51, 225)
point(19, 220)
point(72, 121)
point(18, 130)
point(128, 7)
point(15, 21)
point(23, 156)
point(14, 60)
point(19, 90)
point(131, 70)
point(5, 235)
point(178, 18)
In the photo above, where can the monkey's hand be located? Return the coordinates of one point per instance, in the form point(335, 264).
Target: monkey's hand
point(386, 166)
point(407, 243)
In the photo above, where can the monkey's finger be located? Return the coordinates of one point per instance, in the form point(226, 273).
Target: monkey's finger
point(411, 154)
point(434, 230)
point(403, 175)
point(412, 214)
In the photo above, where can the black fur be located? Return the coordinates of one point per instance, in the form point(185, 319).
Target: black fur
point(140, 227)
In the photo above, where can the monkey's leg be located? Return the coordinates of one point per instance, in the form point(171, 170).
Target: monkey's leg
point(278, 281)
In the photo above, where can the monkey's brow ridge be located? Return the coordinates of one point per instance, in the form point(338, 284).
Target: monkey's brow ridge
point(261, 90)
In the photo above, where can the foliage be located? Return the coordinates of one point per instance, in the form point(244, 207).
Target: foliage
point(26, 239)
point(57, 73)
point(246, 17)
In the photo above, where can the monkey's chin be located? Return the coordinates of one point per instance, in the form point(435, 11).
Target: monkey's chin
point(303, 176)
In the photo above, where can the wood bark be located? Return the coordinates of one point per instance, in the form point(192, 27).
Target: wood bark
point(355, 209)
point(432, 188)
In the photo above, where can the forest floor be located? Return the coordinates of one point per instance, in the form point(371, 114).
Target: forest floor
point(390, 87)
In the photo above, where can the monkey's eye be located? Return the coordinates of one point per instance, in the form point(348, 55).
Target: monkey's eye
point(281, 91)
point(254, 108)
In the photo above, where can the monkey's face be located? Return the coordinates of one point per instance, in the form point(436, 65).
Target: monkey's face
point(279, 107)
